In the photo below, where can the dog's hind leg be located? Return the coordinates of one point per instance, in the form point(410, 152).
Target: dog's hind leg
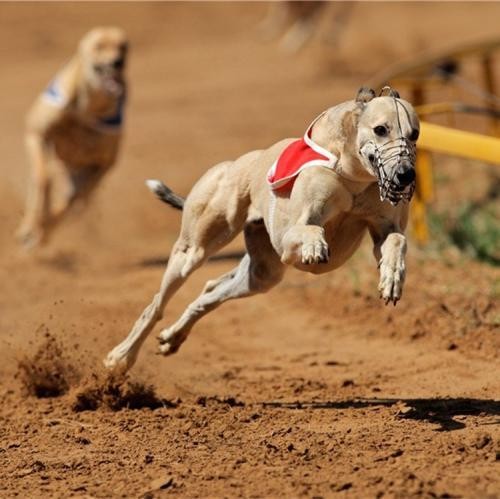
point(214, 213)
point(259, 270)
point(182, 262)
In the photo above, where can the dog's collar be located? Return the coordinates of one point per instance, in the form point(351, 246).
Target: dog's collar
point(111, 124)
point(114, 122)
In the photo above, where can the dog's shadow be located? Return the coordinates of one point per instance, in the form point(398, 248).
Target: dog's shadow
point(162, 261)
point(63, 261)
point(440, 411)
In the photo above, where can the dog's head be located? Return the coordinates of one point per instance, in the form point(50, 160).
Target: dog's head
point(387, 131)
point(103, 52)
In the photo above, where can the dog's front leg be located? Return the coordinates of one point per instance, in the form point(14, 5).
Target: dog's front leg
point(390, 251)
point(392, 267)
point(317, 197)
point(305, 243)
point(31, 229)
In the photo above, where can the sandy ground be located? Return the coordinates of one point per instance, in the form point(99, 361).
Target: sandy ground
point(314, 390)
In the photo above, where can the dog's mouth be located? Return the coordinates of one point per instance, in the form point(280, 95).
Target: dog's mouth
point(393, 164)
point(111, 75)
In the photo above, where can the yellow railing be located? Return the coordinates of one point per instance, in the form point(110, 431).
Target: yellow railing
point(441, 68)
point(444, 140)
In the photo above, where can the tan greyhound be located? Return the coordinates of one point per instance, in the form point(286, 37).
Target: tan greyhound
point(316, 225)
point(78, 120)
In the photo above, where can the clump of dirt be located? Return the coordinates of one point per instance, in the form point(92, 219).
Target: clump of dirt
point(49, 372)
point(115, 392)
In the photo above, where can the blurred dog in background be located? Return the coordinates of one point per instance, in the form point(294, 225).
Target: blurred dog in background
point(296, 23)
point(77, 120)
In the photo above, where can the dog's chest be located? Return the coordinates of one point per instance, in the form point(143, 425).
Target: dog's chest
point(366, 202)
point(78, 144)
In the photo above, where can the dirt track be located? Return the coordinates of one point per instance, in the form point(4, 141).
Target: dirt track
point(313, 390)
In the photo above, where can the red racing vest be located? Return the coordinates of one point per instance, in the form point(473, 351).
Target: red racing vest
point(300, 154)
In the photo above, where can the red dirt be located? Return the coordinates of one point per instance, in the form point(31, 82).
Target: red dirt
point(315, 389)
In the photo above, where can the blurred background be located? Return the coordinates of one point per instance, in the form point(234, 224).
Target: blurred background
point(208, 82)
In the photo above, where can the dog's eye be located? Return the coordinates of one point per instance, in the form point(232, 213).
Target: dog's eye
point(414, 135)
point(381, 131)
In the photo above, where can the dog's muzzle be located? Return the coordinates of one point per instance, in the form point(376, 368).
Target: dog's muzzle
point(394, 166)
point(111, 75)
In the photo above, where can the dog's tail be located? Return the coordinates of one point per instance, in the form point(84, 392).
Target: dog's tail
point(165, 194)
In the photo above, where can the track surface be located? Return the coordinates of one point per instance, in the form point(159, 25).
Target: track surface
point(313, 390)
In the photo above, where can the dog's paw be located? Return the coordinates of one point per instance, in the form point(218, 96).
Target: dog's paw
point(170, 341)
point(305, 244)
point(118, 361)
point(29, 238)
point(315, 252)
point(392, 276)
point(314, 248)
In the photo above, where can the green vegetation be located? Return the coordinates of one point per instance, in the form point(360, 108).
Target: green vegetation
point(474, 228)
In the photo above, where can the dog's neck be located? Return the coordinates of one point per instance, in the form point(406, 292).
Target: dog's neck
point(336, 132)
point(93, 99)
point(353, 175)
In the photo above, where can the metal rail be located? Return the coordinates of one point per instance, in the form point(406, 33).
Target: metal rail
point(442, 68)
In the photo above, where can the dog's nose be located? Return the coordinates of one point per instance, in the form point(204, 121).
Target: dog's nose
point(118, 63)
point(406, 177)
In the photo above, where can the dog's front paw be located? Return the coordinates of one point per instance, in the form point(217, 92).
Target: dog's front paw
point(392, 276)
point(170, 341)
point(315, 252)
point(29, 237)
point(305, 244)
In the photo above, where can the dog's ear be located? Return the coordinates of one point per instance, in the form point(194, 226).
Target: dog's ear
point(390, 92)
point(349, 123)
point(365, 95)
